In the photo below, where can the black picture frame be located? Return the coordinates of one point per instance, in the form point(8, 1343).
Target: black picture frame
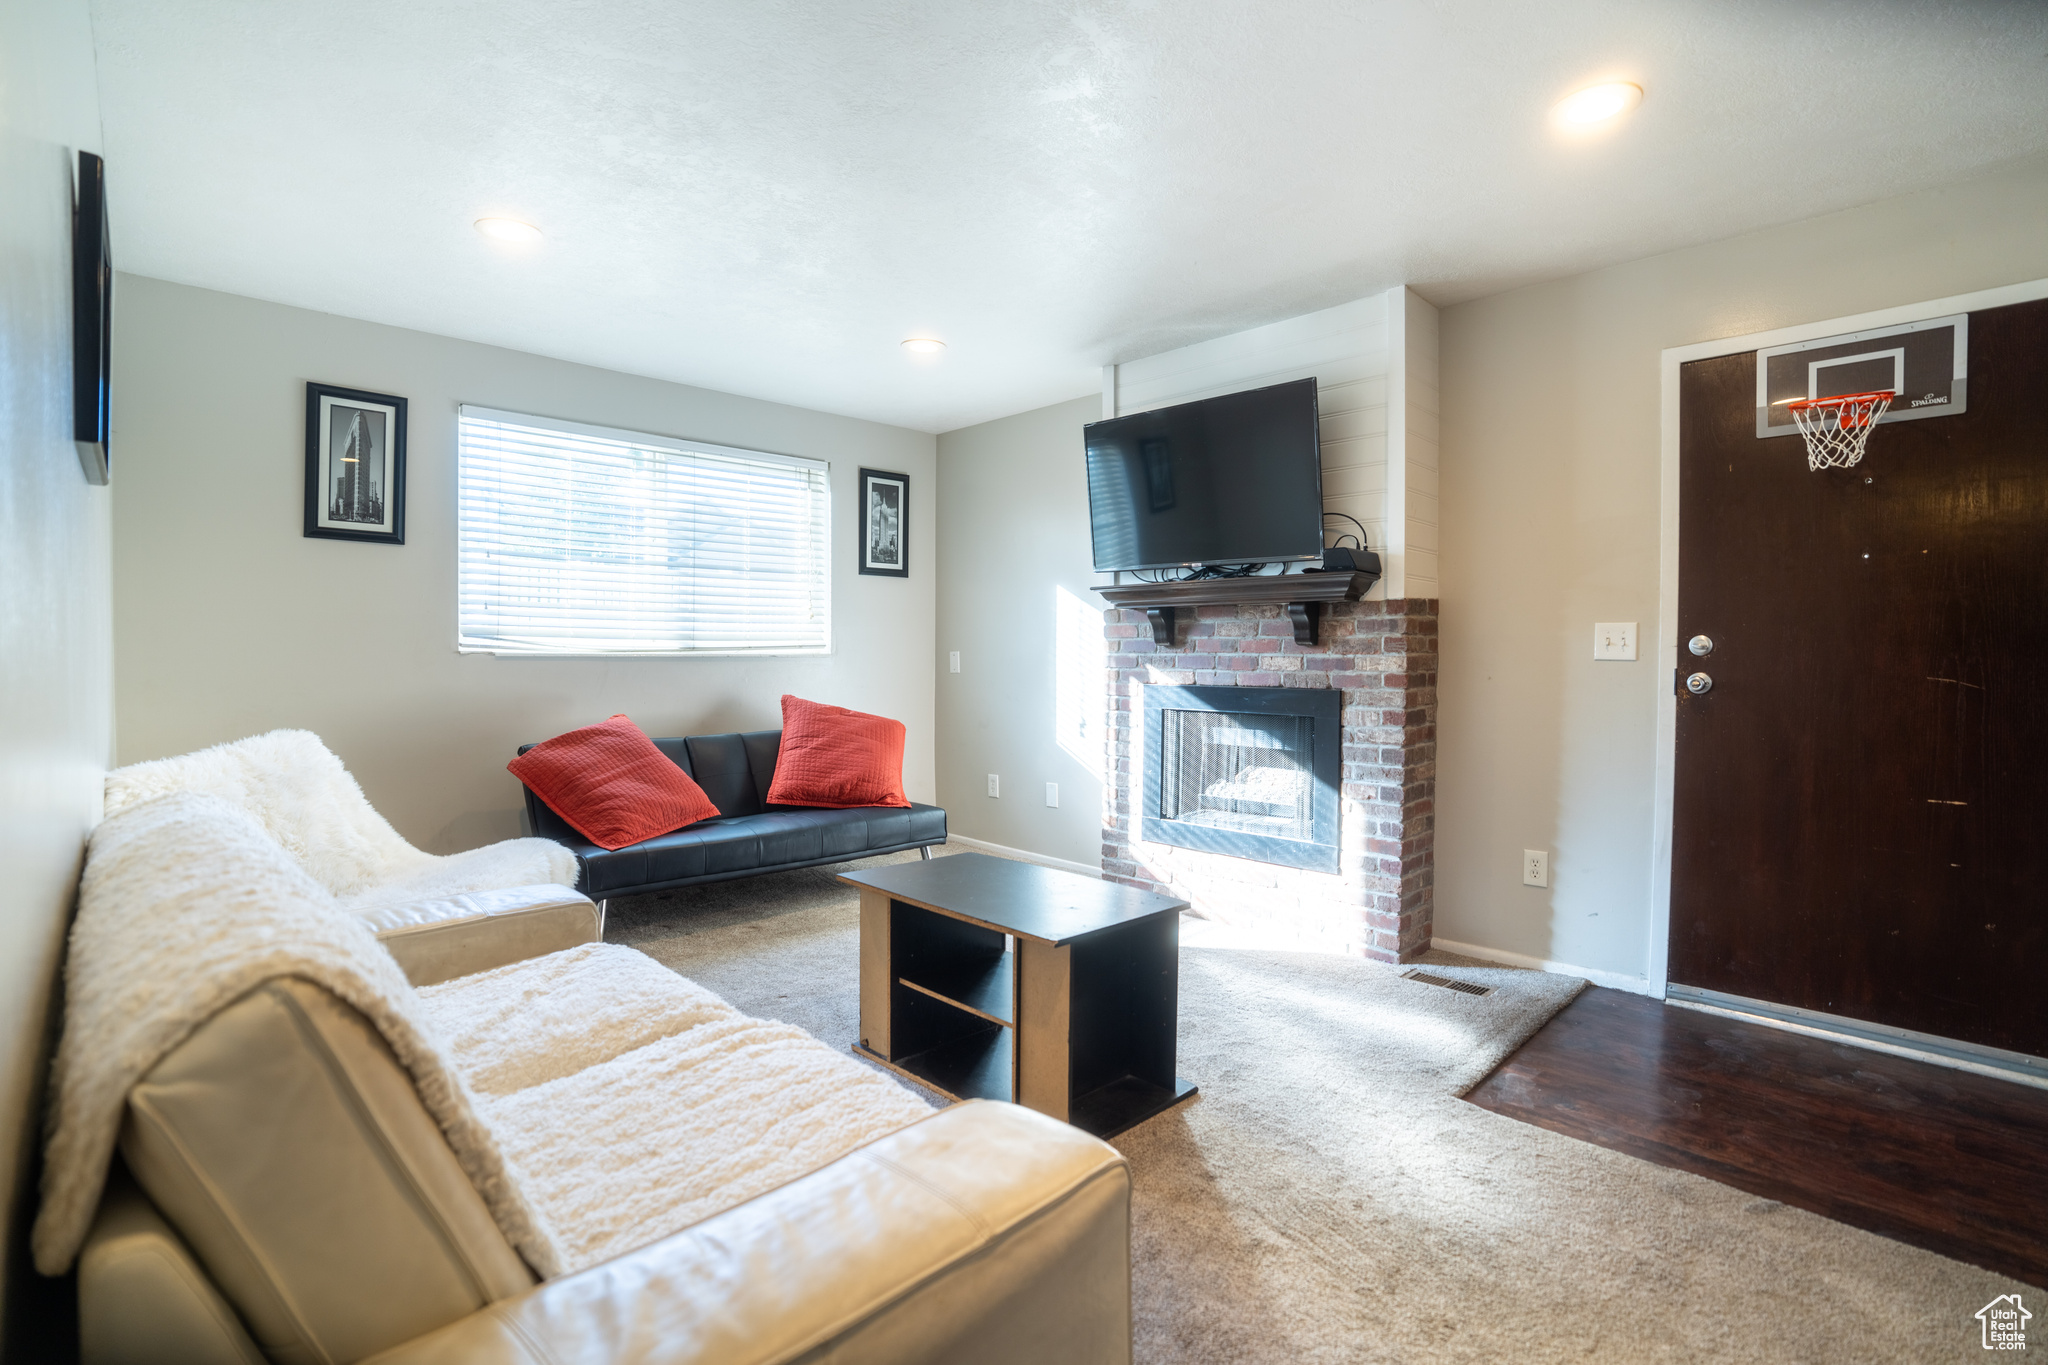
point(366, 503)
point(92, 321)
point(883, 539)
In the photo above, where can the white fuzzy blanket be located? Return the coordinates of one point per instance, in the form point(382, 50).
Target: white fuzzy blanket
point(635, 1102)
point(310, 804)
point(597, 1100)
point(186, 905)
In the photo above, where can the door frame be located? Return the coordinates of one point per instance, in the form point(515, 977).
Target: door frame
point(1659, 946)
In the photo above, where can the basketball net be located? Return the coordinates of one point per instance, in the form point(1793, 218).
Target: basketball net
point(1836, 429)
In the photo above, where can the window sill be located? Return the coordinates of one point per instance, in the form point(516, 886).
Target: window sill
point(647, 654)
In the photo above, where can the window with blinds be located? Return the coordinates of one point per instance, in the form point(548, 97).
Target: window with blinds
point(586, 540)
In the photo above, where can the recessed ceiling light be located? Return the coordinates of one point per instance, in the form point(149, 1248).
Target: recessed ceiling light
point(923, 345)
point(1598, 103)
point(508, 229)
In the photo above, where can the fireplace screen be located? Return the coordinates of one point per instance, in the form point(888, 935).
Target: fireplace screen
point(1248, 773)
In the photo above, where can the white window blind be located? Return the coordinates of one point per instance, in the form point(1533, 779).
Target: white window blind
point(587, 540)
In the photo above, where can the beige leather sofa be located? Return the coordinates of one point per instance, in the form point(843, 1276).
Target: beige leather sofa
point(286, 1197)
point(439, 940)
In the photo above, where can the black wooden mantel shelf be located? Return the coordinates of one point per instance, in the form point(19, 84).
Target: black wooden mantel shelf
point(1302, 594)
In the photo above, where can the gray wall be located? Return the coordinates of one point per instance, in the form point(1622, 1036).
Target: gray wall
point(56, 665)
point(1013, 532)
point(1550, 477)
point(231, 622)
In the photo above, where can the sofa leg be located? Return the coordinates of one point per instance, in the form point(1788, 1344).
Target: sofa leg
point(925, 853)
point(600, 919)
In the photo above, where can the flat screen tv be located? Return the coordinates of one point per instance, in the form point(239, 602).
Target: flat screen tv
point(1231, 480)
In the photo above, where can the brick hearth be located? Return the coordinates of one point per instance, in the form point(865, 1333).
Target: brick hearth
point(1382, 656)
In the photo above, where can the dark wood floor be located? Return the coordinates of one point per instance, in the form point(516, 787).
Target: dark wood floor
point(1943, 1159)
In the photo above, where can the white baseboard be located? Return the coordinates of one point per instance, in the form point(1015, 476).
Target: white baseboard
point(1634, 985)
point(1004, 851)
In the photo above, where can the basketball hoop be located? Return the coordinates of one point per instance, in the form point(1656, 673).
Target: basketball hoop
point(1837, 428)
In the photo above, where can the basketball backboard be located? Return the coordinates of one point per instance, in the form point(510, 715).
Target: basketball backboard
point(1923, 363)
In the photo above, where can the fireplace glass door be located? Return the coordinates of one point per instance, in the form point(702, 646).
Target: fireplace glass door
point(1247, 772)
point(1232, 771)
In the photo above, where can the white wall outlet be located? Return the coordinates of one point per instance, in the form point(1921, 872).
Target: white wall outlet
point(1615, 640)
point(1052, 794)
point(953, 662)
point(995, 785)
point(1535, 867)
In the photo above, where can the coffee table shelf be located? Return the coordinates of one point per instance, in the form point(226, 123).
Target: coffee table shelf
point(987, 989)
point(975, 1066)
point(1125, 1103)
point(989, 978)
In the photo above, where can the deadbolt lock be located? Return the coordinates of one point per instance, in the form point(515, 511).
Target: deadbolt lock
point(1699, 684)
point(1701, 645)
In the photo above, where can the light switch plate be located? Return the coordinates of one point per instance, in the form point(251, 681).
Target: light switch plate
point(995, 785)
point(1535, 867)
point(1615, 640)
point(953, 662)
point(1052, 794)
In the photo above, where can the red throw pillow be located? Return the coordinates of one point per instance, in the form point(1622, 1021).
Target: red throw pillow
point(612, 784)
point(834, 757)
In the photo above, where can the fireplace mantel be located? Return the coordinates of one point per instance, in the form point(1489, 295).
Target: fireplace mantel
point(1301, 594)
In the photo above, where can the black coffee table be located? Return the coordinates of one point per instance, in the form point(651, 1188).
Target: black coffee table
point(1076, 1020)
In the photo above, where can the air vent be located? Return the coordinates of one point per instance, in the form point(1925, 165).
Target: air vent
point(1464, 986)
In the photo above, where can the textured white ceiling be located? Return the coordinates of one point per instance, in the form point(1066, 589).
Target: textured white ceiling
point(766, 197)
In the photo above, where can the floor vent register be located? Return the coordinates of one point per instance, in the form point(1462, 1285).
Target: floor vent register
point(1464, 986)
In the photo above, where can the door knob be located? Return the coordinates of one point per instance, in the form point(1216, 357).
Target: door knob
point(1699, 684)
point(1701, 645)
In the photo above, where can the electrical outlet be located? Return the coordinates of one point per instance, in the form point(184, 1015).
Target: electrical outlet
point(953, 662)
point(1052, 794)
point(1535, 867)
point(995, 785)
point(1615, 640)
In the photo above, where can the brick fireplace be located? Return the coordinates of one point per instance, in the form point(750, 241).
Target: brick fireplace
point(1380, 657)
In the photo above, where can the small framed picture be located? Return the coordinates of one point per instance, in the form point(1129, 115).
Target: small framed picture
point(355, 465)
point(92, 320)
point(884, 522)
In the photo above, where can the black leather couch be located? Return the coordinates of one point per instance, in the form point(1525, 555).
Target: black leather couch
point(748, 837)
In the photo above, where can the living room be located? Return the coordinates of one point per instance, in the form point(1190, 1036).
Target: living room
point(725, 225)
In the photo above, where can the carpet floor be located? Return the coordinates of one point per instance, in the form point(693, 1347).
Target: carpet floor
point(1328, 1197)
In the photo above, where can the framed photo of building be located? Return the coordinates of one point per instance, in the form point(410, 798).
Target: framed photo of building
point(355, 465)
point(884, 523)
point(92, 320)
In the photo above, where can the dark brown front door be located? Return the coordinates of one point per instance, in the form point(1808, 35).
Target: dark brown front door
point(1861, 809)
